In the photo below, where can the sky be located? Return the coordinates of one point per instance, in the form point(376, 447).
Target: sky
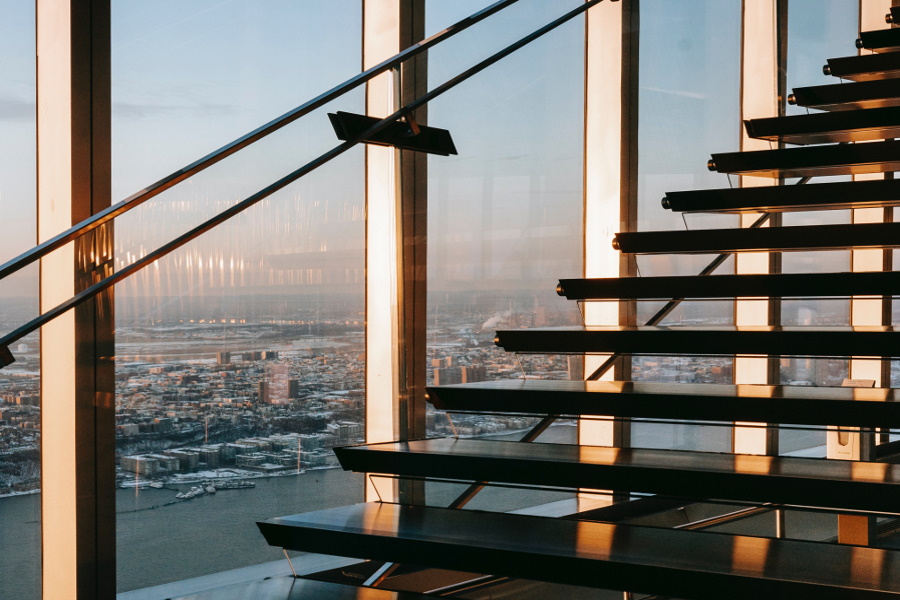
point(191, 76)
point(188, 77)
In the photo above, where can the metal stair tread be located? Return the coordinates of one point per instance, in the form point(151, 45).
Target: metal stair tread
point(806, 405)
point(703, 341)
point(828, 127)
point(837, 195)
point(826, 160)
point(849, 96)
point(702, 565)
point(842, 284)
point(865, 67)
point(782, 480)
point(880, 40)
point(772, 239)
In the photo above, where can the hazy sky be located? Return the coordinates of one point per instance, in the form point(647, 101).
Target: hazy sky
point(17, 145)
point(190, 76)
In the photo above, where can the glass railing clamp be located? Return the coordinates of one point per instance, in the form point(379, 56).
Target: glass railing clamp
point(6, 357)
point(406, 135)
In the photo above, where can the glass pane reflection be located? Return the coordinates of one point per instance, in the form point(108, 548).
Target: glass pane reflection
point(240, 356)
point(20, 417)
point(505, 216)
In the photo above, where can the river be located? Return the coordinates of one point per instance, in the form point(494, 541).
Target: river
point(204, 535)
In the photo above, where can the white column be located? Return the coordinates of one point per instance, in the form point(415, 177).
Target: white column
point(864, 311)
point(381, 36)
point(77, 388)
point(606, 67)
point(759, 98)
point(851, 443)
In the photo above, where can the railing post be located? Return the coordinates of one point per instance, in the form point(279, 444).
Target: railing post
point(761, 93)
point(77, 350)
point(609, 169)
point(396, 188)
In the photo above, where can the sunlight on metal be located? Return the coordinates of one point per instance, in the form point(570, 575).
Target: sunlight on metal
point(381, 37)
point(759, 98)
point(602, 180)
point(866, 565)
point(59, 531)
point(750, 554)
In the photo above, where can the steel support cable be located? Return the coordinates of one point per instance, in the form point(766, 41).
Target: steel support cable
point(108, 214)
point(225, 215)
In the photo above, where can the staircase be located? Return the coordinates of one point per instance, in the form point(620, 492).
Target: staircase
point(608, 547)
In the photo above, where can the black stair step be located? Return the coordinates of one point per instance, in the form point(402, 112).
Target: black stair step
point(685, 564)
point(893, 16)
point(730, 286)
point(866, 67)
point(788, 198)
point(828, 127)
point(848, 96)
point(880, 40)
point(775, 239)
point(800, 341)
point(811, 161)
point(799, 405)
point(782, 480)
point(298, 588)
point(635, 508)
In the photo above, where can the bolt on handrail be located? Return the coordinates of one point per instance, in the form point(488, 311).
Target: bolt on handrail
point(95, 289)
point(108, 214)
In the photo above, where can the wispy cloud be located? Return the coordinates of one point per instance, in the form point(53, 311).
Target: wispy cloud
point(132, 110)
point(14, 109)
point(681, 93)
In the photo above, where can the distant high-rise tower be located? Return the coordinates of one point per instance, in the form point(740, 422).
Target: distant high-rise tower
point(473, 374)
point(277, 380)
point(447, 376)
point(263, 392)
point(575, 366)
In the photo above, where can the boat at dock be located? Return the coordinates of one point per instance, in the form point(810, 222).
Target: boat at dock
point(192, 493)
point(232, 484)
point(209, 487)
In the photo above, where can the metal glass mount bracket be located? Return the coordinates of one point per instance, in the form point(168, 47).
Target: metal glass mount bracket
point(6, 357)
point(405, 135)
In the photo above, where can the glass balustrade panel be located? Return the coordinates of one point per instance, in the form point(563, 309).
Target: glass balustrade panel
point(20, 400)
point(240, 356)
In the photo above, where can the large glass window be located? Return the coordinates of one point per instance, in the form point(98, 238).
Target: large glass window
point(240, 356)
point(505, 215)
point(817, 31)
point(20, 510)
point(689, 108)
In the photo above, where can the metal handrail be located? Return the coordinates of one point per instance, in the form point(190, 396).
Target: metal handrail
point(108, 214)
point(183, 239)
